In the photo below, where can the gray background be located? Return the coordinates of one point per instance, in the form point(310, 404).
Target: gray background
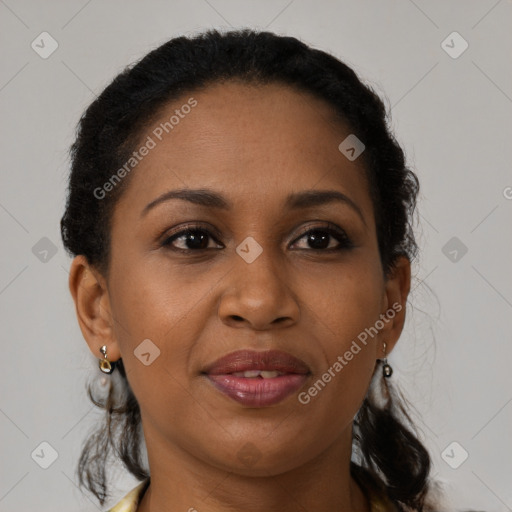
point(452, 116)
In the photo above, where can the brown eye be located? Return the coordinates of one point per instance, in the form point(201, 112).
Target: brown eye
point(197, 238)
point(320, 238)
point(190, 239)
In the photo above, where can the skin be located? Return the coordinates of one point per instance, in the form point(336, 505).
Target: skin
point(254, 145)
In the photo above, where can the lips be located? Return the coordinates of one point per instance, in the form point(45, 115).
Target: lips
point(258, 379)
point(247, 360)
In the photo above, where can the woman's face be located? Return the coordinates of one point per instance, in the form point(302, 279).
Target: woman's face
point(252, 279)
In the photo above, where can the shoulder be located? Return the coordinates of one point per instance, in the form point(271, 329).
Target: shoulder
point(129, 502)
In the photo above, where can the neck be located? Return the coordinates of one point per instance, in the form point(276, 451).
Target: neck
point(180, 481)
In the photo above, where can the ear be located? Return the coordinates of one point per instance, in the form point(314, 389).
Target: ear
point(92, 305)
point(396, 291)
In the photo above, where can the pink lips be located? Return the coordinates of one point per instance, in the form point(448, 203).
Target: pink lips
point(258, 391)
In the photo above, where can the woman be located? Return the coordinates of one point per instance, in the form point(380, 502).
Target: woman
point(240, 217)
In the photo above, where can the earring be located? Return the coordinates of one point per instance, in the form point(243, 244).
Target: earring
point(379, 396)
point(387, 371)
point(105, 365)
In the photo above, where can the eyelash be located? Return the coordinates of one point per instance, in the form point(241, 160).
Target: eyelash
point(331, 229)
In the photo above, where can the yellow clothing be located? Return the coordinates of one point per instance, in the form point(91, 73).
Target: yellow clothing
point(130, 502)
point(378, 500)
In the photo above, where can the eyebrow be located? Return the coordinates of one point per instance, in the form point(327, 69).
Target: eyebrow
point(294, 201)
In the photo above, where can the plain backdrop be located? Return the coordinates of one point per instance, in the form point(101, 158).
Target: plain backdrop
point(451, 109)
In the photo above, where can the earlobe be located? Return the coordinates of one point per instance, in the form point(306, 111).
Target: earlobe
point(92, 306)
point(397, 289)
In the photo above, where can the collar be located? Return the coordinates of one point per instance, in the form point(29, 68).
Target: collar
point(379, 501)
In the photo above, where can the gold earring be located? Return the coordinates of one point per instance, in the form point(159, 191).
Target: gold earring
point(105, 365)
point(387, 371)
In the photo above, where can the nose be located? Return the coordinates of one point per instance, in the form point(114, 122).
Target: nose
point(258, 296)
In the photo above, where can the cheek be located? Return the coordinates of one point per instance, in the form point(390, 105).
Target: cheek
point(346, 301)
point(154, 302)
point(156, 323)
point(340, 384)
point(345, 310)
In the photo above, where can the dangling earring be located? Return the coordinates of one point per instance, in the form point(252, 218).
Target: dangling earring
point(387, 371)
point(105, 365)
point(379, 394)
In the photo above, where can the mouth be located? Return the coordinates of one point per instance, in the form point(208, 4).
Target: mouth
point(258, 379)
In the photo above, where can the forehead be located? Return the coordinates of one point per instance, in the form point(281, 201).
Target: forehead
point(256, 143)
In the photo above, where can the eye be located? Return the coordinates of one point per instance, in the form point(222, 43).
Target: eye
point(193, 238)
point(196, 238)
point(319, 238)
